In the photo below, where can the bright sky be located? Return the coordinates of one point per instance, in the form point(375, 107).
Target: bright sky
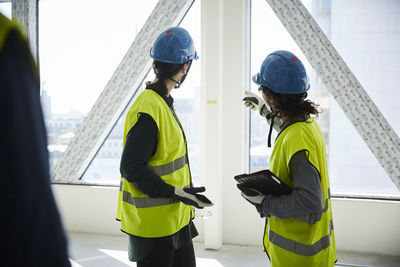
point(82, 43)
point(268, 35)
point(81, 46)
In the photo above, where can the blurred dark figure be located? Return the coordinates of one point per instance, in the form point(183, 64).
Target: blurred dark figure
point(30, 229)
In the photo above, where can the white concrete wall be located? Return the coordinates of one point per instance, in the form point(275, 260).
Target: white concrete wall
point(366, 226)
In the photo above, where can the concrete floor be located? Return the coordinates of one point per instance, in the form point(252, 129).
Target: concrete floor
point(92, 250)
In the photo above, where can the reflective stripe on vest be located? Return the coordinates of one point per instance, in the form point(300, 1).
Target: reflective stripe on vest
point(161, 170)
point(315, 217)
point(168, 168)
point(146, 202)
point(300, 248)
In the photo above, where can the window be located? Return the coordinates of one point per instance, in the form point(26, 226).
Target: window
point(366, 36)
point(187, 98)
point(104, 169)
point(267, 35)
point(187, 104)
point(79, 50)
point(5, 9)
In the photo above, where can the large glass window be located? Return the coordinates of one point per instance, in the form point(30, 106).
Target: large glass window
point(187, 98)
point(268, 35)
point(81, 42)
point(366, 36)
point(104, 169)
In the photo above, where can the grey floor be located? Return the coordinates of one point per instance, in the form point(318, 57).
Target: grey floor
point(92, 250)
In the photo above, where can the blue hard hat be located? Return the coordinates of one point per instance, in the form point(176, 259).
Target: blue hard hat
point(283, 73)
point(174, 45)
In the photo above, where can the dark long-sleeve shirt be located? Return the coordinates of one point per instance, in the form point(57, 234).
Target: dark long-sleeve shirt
point(140, 146)
point(306, 200)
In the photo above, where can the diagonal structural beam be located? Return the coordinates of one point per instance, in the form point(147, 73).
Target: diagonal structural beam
point(342, 84)
point(116, 95)
point(25, 11)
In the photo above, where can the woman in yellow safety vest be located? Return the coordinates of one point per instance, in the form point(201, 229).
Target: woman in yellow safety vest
point(299, 227)
point(156, 195)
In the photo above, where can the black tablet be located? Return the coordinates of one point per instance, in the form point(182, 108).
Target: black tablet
point(264, 182)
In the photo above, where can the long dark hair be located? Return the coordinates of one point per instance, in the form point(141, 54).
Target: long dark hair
point(290, 106)
point(164, 71)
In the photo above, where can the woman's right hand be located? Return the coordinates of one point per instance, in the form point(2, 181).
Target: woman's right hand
point(256, 103)
point(190, 196)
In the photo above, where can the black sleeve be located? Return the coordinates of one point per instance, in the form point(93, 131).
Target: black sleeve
point(30, 229)
point(140, 146)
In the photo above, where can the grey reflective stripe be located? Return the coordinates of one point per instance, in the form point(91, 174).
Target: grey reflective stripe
point(300, 248)
point(168, 168)
point(312, 218)
point(146, 202)
point(326, 206)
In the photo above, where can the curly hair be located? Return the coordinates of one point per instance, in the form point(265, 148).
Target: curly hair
point(290, 106)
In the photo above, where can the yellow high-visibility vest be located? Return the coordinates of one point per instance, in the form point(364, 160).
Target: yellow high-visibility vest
point(294, 242)
point(141, 215)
